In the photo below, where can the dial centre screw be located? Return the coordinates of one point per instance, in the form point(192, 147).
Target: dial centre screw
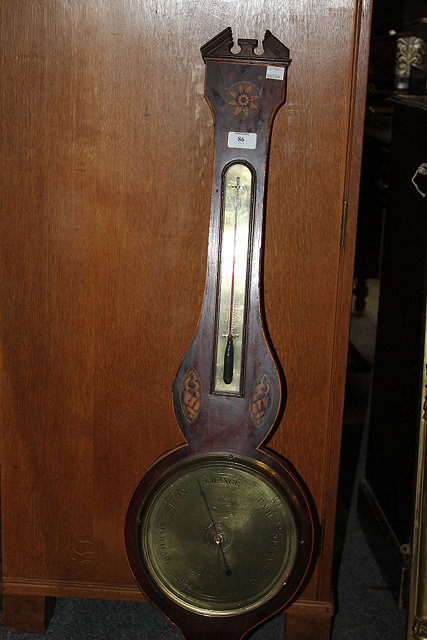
point(218, 538)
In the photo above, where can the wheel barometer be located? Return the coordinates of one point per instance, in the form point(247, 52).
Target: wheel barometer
point(220, 533)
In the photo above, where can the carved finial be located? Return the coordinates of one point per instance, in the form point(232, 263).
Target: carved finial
point(219, 48)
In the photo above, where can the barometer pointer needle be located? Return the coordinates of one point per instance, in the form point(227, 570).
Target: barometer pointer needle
point(228, 571)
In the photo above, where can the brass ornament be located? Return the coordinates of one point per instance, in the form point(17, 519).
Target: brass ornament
point(419, 628)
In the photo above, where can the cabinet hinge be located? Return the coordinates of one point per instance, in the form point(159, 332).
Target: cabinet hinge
point(344, 214)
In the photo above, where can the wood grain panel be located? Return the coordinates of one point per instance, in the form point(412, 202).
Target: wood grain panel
point(107, 165)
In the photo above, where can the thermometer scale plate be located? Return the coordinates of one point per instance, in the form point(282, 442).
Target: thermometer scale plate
point(234, 257)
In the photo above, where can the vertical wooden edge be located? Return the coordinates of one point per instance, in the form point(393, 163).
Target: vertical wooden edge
point(359, 72)
point(303, 621)
point(30, 614)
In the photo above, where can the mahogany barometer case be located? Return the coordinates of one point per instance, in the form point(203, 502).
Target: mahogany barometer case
point(221, 532)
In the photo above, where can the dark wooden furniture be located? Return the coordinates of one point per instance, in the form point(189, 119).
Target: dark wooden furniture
point(389, 21)
point(374, 182)
point(388, 486)
point(101, 236)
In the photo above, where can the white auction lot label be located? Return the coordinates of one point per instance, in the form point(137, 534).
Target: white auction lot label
point(241, 140)
point(275, 73)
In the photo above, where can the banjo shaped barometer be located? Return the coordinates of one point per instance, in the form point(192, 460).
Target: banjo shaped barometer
point(221, 532)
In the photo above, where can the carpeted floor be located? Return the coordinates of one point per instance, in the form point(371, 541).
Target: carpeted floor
point(366, 609)
point(107, 620)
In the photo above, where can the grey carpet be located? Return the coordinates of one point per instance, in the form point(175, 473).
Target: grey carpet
point(107, 620)
point(366, 608)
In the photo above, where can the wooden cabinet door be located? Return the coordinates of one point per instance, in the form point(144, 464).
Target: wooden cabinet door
point(107, 166)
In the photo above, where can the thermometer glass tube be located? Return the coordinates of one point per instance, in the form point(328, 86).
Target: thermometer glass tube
point(235, 231)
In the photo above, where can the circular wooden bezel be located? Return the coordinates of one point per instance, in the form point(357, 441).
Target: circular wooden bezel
point(191, 622)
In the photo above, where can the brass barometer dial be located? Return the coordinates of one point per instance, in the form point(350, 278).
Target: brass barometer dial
point(221, 532)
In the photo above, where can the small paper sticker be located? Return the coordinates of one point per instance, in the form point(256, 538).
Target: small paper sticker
point(275, 73)
point(241, 140)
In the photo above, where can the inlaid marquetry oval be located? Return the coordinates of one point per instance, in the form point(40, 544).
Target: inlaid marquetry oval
point(261, 399)
point(191, 394)
point(244, 100)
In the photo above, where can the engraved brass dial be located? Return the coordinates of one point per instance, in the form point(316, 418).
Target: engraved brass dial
point(218, 534)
